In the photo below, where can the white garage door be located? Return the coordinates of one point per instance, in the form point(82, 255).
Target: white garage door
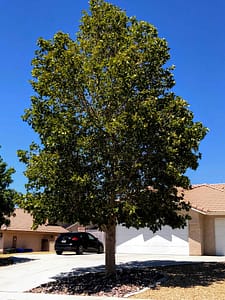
point(166, 241)
point(220, 236)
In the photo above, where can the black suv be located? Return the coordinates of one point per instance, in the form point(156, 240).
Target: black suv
point(78, 242)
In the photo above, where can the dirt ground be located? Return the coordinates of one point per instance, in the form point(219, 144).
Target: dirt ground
point(189, 282)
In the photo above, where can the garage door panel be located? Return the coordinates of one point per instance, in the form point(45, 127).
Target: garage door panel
point(165, 241)
point(220, 236)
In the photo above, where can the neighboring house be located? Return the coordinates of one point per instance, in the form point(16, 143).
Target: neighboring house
point(20, 235)
point(203, 235)
point(207, 227)
point(75, 227)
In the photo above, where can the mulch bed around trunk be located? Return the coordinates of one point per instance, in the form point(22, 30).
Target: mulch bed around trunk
point(125, 281)
point(129, 281)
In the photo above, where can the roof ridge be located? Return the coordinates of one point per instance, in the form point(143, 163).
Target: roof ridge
point(214, 186)
point(194, 186)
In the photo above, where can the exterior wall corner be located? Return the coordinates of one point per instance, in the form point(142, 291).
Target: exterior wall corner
point(196, 236)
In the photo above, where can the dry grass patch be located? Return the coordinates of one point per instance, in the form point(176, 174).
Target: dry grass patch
point(189, 282)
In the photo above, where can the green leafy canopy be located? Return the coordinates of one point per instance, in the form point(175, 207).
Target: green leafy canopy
point(7, 195)
point(115, 139)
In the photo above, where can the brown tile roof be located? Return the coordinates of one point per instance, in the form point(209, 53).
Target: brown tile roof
point(23, 221)
point(207, 198)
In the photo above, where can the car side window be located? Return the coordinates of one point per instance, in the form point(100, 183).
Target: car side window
point(91, 237)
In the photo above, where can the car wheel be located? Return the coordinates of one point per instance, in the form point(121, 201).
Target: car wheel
point(80, 249)
point(100, 249)
point(58, 252)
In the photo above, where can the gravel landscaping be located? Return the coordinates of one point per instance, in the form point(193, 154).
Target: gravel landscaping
point(124, 282)
point(187, 281)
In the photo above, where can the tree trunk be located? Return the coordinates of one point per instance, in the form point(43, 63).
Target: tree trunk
point(110, 249)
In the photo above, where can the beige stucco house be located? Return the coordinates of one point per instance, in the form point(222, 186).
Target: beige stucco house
point(20, 235)
point(207, 227)
point(203, 235)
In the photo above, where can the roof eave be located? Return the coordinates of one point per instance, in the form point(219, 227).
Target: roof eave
point(199, 211)
point(209, 213)
point(216, 213)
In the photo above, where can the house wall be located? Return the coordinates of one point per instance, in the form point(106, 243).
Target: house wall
point(196, 233)
point(27, 240)
point(209, 235)
point(202, 234)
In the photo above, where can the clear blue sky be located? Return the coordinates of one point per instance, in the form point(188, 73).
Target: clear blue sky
point(195, 31)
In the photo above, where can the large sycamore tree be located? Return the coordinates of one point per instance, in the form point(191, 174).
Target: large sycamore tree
point(115, 141)
point(7, 195)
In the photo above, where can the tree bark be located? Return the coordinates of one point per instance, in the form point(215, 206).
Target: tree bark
point(110, 249)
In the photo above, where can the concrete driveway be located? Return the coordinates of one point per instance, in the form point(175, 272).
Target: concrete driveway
point(31, 270)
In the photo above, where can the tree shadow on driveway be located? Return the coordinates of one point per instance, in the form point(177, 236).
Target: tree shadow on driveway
point(193, 274)
point(128, 265)
point(175, 273)
point(18, 260)
point(12, 260)
point(134, 276)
